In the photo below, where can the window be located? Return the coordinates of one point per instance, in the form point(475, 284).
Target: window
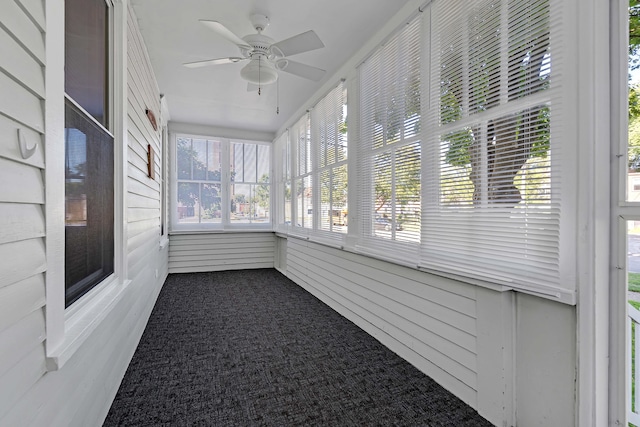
point(493, 203)
point(250, 183)
point(300, 135)
point(199, 181)
point(317, 151)
point(329, 134)
point(283, 146)
point(89, 150)
point(390, 149)
point(204, 198)
point(460, 135)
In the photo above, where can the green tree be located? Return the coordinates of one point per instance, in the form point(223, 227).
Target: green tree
point(634, 34)
point(261, 197)
point(406, 177)
point(634, 145)
point(333, 187)
point(634, 101)
point(510, 140)
point(190, 168)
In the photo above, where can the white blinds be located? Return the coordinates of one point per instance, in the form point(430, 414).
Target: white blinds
point(282, 201)
point(389, 150)
point(328, 134)
point(302, 195)
point(458, 165)
point(492, 190)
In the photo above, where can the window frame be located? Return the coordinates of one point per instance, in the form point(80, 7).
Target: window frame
point(411, 255)
point(283, 180)
point(309, 222)
point(68, 328)
point(367, 241)
point(85, 285)
point(326, 143)
point(225, 223)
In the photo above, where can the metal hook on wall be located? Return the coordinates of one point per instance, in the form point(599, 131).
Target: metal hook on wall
point(24, 149)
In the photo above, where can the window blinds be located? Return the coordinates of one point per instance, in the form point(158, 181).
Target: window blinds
point(328, 134)
point(389, 150)
point(492, 208)
point(461, 132)
point(283, 189)
point(300, 138)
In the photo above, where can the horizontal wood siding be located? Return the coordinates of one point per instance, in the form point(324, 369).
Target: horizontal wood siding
point(143, 193)
point(22, 227)
point(217, 252)
point(427, 320)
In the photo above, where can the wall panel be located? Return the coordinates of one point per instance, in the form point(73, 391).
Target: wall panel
point(217, 251)
point(416, 315)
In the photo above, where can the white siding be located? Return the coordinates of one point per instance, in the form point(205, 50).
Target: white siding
point(429, 321)
point(280, 255)
point(143, 198)
point(216, 252)
point(545, 354)
point(80, 393)
point(22, 230)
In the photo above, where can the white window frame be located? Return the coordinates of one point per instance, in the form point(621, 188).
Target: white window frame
point(366, 241)
point(225, 224)
point(282, 153)
point(318, 169)
point(559, 284)
point(302, 227)
point(310, 225)
point(615, 401)
point(164, 176)
point(67, 329)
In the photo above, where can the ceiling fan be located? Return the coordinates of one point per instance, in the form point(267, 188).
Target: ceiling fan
point(265, 56)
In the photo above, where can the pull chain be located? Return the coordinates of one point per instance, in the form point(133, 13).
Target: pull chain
point(278, 96)
point(259, 64)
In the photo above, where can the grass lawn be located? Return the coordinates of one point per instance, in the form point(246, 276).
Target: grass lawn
point(634, 282)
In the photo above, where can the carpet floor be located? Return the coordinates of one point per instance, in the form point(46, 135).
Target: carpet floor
point(251, 348)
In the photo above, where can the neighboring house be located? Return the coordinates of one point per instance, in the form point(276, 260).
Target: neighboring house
point(633, 187)
point(520, 355)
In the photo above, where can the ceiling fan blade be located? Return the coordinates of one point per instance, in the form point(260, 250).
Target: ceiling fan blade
point(226, 33)
point(303, 42)
point(230, 60)
point(301, 70)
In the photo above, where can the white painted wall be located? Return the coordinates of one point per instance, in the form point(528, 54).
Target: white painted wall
point(193, 252)
point(81, 391)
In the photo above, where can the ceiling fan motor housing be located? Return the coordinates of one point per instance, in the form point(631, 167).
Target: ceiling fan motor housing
point(260, 70)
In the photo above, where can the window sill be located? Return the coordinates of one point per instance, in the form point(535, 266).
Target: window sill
point(83, 318)
point(222, 231)
point(164, 242)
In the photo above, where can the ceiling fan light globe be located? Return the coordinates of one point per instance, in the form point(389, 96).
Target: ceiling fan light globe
point(259, 72)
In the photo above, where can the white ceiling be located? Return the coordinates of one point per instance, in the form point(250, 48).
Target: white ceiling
point(217, 95)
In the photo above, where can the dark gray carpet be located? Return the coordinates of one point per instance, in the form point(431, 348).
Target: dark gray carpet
point(249, 348)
